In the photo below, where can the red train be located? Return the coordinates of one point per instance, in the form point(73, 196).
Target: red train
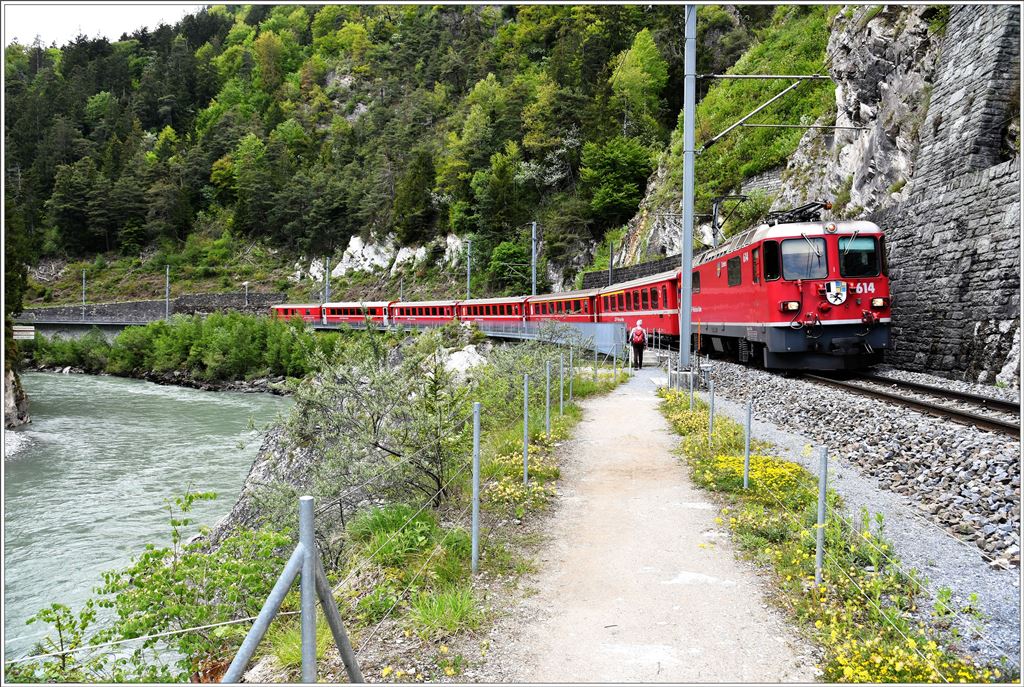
point(786, 295)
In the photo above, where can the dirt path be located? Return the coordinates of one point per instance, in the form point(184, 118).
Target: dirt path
point(637, 582)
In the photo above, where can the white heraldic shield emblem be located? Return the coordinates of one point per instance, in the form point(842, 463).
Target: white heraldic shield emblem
point(835, 292)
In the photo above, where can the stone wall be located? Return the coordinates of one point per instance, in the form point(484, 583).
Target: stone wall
point(954, 244)
point(147, 311)
point(593, 280)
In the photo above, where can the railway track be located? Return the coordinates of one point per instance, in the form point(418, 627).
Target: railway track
point(909, 394)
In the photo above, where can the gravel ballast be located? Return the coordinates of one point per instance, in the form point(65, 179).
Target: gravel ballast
point(921, 474)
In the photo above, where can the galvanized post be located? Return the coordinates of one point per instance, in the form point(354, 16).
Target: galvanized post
point(533, 243)
point(348, 657)
point(689, 377)
point(711, 411)
point(561, 382)
point(595, 364)
point(526, 429)
point(476, 486)
point(689, 118)
point(469, 263)
point(746, 446)
point(83, 294)
point(167, 294)
point(307, 589)
point(819, 558)
point(615, 364)
point(570, 374)
point(547, 401)
point(246, 285)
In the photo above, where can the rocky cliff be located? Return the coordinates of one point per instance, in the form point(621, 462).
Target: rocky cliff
point(15, 401)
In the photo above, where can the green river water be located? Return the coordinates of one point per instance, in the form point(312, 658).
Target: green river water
point(85, 483)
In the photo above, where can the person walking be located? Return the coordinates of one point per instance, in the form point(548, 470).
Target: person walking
point(638, 337)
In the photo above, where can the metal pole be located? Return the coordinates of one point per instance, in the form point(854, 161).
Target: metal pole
point(547, 402)
point(476, 486)
point(401, 288)
point(167, 294)
point(615, 365)
point(711, 411)
point(526, 429)
point(327, 280)
point(689, 114)
point(611, 257)
point(561, 382)
point(595, 364)
point(533, 290)
point(307, 589)
point(746, 446)
point(348, 657)
point(246, 284)
point(83, 294)
point(469, 264)
point(820, 553)
point(689, 376)
point(570, 373)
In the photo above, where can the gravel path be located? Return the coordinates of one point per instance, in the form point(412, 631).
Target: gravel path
point(637, 583)
point(942, 559)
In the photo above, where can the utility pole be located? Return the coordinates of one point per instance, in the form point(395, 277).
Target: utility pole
point(327, 281)
point(167, 294)
point(469, 264)
point(246, 285)
point(611, 259)
point(534, 245)
point(83, 295)
point(689, 108)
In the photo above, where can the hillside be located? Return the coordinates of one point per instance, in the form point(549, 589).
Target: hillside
point(243, 142)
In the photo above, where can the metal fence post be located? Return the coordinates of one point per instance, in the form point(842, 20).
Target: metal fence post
point(570, 373)
point(561, 382)
point(746, 447)
point(689, 376)
point(595, 364)
point(307, 589)
point(819, 557)
point(526, 428)
point(167, 294)
point(615, 365)
point(476, 486)
point(547, 399)
point(711, 412)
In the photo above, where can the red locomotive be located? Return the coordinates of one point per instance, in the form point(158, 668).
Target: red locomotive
point(793, 293)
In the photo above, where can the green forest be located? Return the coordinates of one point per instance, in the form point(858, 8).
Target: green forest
point(295, 128)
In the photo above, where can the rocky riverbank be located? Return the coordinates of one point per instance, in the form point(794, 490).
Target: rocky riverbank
point(272, 385)
point(15, 401)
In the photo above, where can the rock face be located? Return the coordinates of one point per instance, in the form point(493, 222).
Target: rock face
point(15, 401)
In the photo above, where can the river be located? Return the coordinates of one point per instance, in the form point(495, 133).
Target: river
point(85, 482)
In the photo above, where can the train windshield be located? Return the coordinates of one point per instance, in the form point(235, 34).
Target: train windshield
point(858, 257)
point(804, 258)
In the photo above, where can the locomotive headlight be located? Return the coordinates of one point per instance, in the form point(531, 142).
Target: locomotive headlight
point(878, 302)
point(789, 306)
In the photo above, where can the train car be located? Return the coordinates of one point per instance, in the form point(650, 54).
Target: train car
point(423, 312)
point(307, 312)
point(356, 312)
point(653, 300)
point(796, 295)
point(486, 310)
point(567, 306)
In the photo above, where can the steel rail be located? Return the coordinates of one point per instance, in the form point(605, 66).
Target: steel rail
point(944, 412)
point(985, 401)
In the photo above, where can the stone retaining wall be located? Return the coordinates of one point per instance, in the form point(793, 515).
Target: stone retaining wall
point(147, 311)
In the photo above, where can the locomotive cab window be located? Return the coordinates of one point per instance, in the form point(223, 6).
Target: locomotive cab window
point(858, 256)
point(771, 261)
point(733, 273)
point(804, 258)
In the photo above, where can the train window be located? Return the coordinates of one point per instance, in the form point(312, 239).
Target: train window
point(733, 269)
point(654, 297)
point(621, 298)
point(858, 256)
point(804, 258)
point(664, 295)
point(695, 283)
point(771, 260)
point(755, 258)
point(644, 304)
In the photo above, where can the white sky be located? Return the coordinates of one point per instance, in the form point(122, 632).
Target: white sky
point(61, 23)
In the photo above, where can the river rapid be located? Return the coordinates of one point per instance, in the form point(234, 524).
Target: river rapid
point(85, 482)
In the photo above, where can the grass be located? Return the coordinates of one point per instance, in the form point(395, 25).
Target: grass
point(442, 613)
point(285, 641)
point(866, 613)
